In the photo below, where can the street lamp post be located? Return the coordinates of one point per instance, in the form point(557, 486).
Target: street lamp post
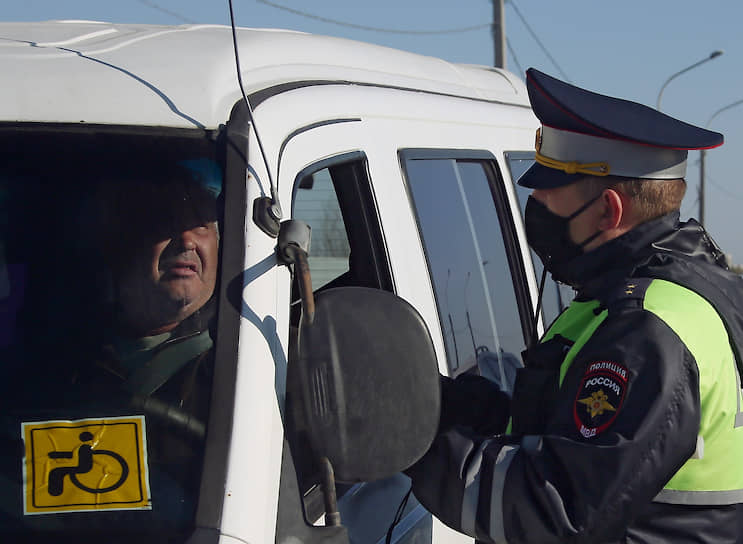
point(702, 159)
point(712, 55)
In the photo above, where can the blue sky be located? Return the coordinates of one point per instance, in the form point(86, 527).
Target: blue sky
point(626, 49)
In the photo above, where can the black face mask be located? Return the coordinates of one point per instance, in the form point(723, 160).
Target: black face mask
point(549, 236)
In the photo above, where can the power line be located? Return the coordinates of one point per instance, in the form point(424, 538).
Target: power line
point(515, 58)
point(374, 28)
point(171, 13)
point(723, 189)
point(539, 42)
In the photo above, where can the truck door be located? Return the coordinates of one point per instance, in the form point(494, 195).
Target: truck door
point(437, 225)
point(468, 230)
point(335, 198)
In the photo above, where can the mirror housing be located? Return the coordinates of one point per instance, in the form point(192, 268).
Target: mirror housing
point(368, 381)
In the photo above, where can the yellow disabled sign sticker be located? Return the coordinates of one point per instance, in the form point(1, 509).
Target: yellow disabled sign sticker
point(85, 465)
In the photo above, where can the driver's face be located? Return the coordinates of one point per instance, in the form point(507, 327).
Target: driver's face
point(171, 278)
point(184, 267)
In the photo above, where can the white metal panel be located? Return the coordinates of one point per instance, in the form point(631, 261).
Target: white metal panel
point(399, 228)
point(443, 534)
point(185, 76)
point(254, 462)
point(389, 121)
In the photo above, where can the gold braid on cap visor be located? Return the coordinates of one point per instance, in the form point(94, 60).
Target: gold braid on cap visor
point(572, 167)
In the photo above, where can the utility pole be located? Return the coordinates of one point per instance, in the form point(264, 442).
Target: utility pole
point(499, 34)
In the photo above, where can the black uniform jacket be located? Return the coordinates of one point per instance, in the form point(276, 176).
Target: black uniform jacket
point(546, 482)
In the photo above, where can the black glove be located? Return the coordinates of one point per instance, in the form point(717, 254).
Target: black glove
point(473, 402)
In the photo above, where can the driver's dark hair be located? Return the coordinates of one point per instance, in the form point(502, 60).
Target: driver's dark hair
point(138, 207)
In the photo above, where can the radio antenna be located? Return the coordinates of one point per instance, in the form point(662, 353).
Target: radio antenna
point(266, 211)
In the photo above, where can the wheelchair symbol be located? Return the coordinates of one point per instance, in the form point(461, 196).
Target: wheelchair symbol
point(85, 455)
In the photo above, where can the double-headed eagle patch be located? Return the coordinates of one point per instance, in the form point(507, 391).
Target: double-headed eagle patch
point(599, 397)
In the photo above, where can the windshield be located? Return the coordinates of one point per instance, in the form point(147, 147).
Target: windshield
point(109, 251)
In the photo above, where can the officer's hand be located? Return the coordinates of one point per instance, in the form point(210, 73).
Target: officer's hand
point(473, 402)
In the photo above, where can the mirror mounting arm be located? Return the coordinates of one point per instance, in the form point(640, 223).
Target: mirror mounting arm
point(302, 269)
point(294, 248)
point(332, 516)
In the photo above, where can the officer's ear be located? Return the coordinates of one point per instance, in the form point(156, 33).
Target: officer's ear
point(615, 210)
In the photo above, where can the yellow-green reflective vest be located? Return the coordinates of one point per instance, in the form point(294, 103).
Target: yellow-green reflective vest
point(714, 474)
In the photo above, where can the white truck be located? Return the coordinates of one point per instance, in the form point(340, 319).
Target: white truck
point(402, 166)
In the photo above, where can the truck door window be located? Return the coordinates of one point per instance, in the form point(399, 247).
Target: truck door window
point(335, 198)
point(316, 203)
point(347, 246)
point(476, 278)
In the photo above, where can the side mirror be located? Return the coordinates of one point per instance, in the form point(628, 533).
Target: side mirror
point(369, 383)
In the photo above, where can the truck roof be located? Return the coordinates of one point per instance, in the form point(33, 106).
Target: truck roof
point(185, 76)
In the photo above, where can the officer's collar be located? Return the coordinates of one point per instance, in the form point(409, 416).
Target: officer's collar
point(648, 244)
point(620, 255)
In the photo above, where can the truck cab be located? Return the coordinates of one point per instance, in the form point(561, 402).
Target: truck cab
point(150, 326)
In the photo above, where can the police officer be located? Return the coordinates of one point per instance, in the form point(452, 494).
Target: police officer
point(625, 424)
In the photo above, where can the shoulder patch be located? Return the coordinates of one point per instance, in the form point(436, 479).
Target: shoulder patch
point(600, 397)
